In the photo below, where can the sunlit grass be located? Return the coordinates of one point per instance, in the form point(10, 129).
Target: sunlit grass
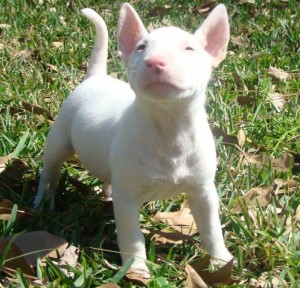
point(44, 49)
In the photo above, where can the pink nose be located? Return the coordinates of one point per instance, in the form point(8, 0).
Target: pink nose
point(156, 63)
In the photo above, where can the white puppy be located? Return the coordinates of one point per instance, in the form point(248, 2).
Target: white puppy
point(151, 144)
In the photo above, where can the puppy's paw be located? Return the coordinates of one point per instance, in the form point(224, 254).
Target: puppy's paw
point(140, 268)
point(221, 260)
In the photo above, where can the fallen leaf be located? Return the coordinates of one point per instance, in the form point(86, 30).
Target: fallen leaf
point(58, 44)
point(6, 207)
point(15, 170)
point(52, 67)
point(178, 220)
point(297, 214)
point(206, 6)
point(239, 81)
point(289, 185)
point(281, 164)
point(277, 100)
point(36, 109)
point(247, 1)
point(193, 280)
point(39, 244)
point(4, 26)
point(166, 236)
point(18, 261)
point(226, 139)
point(109, 285)
point(24, 54)
point(241, 41)
point(261, 195)
point(241, 137)
point(265, 281)
point(69, 257)
point(221, 275)
point(278, 74)
point(83, 188)
point(136, 278)
point(244, 100)
point(5, 159)
point(159, 11)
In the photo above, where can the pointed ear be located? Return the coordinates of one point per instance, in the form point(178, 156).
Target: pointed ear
point(130, 30)
point(214, 34)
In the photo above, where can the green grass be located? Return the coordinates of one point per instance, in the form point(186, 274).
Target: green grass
point(34, 69)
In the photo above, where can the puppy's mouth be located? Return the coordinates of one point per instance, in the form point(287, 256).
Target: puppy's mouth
point(163, 88)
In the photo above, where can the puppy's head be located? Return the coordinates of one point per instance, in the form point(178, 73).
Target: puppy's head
point(170, 64)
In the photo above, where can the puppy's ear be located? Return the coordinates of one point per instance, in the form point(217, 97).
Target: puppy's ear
point(130, 30)
point(214, 34)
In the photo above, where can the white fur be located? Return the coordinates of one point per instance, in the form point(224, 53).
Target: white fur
point(151, 144)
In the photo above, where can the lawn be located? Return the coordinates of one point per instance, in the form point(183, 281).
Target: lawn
point(253, 107)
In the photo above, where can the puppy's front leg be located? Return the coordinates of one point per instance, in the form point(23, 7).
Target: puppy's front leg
point(130, 238)
point(205, 208)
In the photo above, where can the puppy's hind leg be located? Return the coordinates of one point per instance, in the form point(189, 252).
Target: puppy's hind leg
point(57, 150)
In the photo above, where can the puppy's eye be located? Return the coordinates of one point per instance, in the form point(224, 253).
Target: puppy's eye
point(189, 48)
point(141, 47)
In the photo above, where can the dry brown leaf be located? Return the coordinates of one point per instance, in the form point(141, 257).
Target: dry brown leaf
point(58, 44)
point(261, 195)
point(40, 244)
point(206, 6)
point(36, 109)
point(241, 41)
point(159, 11)
point(69, 257)
point(24, 54)
point(193, 280)
point(297, 214)
point(241, 137)
point(256, 159)
point(244, 100)
point(15, 170)
point(166, 236)
point(109, 285)
point(136, 278)
point(283, 186)
point(19, 262)
point(278, 74)
point(4, 26)
point(281, 164)
point(219, 276)
point(6, 207)
point(277, 100)
point(264, 281)
point(83, 188)
point(226, 139)
point(178, 220)
point(5, 159)
point(52, 67)
point(239, 81)
point(247, 1)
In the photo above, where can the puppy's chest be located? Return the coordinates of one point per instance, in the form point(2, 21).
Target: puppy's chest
point(165, 174)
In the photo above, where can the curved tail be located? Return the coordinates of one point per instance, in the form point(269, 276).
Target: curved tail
point(98, 61)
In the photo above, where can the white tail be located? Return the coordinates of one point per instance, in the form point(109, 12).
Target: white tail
point(98, 60)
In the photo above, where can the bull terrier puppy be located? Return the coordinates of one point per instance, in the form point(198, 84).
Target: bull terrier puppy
point(152, 141)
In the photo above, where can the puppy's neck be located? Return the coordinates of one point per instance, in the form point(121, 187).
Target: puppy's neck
point(171, 119)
